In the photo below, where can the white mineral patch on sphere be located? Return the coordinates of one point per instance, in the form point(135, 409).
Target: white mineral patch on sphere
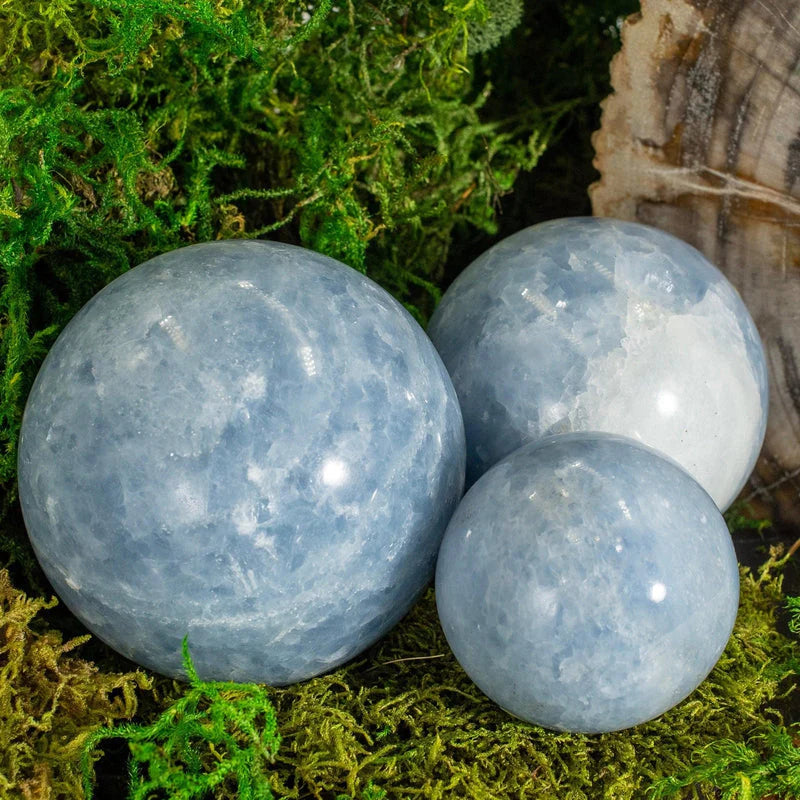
point(247, 443)
point(595, 324)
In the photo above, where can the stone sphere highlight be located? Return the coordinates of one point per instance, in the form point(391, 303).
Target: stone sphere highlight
point(595, 324)
point(587, 584)
point(247, 443)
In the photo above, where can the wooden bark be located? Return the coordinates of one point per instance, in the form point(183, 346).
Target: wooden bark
point(702, 138)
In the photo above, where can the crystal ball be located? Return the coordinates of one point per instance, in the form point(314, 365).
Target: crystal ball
point(246, 443)
point(596, 324)
point(586, 583)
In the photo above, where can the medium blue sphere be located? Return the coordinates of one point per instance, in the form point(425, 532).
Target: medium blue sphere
point(595, 324)
point(586, 583)
point(247, 443)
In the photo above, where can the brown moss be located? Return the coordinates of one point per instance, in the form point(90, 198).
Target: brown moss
point(50, 701)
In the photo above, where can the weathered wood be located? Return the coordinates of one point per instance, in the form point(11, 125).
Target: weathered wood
point(702, 138)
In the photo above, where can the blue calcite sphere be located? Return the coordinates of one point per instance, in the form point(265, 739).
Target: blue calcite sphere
point(585, 583)
point(596, 324)
point(247, 443)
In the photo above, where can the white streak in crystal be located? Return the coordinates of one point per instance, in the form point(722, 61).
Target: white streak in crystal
point(244, 519)
point(190, 501)
point(51, 506)
point(266, 543)
point(247, 580)
point(307, 356)
point(549, 315)
point(137, 357)
point(604, 271)
point(171, 327)
point(575, 263)
point(255, 474)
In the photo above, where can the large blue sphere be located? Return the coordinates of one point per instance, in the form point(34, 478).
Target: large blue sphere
point(247, 443)
point(596, 324)
point(585, 583)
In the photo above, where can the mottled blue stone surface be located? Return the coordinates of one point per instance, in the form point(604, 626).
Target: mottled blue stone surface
point(596, 324)
point(585, 583)
point(248, 443)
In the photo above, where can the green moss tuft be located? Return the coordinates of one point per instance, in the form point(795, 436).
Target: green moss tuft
point(218, 737)
point(766, 765)
point(793, 605)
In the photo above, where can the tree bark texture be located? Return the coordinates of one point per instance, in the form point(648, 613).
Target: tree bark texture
point(701, 138)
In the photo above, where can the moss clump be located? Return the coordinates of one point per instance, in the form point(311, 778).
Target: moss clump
point(766, 765)
point(50, 701)
point(217, 734)
point(501, 18)
point(406, 720)
point(422, 729)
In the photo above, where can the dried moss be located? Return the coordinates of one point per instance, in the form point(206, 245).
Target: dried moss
point(422, 729)
point(50, 701)
point(405, 720)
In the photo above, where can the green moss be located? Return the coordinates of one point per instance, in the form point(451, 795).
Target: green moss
point(128, 129)
point(501, 18)
point(793, 606)
point(216, 735)
point(766, 765)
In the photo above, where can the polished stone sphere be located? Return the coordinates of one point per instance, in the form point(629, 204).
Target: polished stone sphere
point(595, 324)
point(247, 443)
point(586, 583)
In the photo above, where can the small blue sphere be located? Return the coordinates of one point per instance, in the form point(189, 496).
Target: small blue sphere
point(595, 324)
point(247, 443)
point(585, 583)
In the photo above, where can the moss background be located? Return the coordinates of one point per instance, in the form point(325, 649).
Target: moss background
point(403, 138)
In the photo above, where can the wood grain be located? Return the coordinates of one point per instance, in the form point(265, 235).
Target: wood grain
point(701, 137)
